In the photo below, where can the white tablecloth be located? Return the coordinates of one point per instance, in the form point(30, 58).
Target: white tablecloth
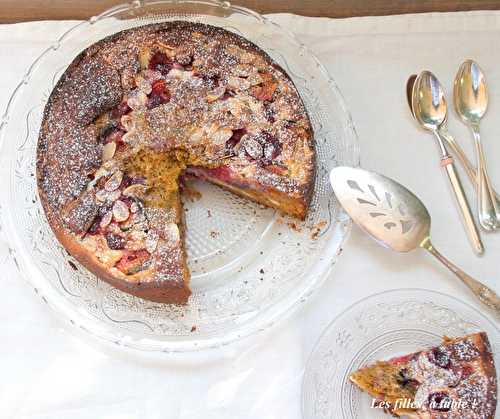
point(47, 372)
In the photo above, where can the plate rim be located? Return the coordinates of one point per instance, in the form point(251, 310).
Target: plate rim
point(357, 303)
point(175, 345)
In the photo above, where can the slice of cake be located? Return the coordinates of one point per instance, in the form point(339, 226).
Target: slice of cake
point(456, 380)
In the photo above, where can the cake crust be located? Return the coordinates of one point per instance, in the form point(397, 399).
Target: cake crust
point(205, 100)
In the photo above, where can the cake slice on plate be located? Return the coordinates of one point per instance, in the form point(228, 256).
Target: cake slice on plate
point(454, 380)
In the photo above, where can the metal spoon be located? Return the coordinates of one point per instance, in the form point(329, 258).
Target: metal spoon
point(470, 98)
point(395, 218)
point(469, 168)
point(430, 110)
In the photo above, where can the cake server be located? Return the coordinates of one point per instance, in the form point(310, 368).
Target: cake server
point(396, 219)
point(470, 97)
point(430, 110)
point(458, 151)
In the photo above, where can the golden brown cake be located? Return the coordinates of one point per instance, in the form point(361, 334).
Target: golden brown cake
point(456, 380)
point(136, 112)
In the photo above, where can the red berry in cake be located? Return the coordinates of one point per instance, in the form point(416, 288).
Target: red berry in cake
point(272, 147)
point(159, 94)
point(228, 94)
point(132, 261)
point(265, 90)
point(120, 110)
point(235, 139)
point(268, 112)
point(115, 242)
point(95, 227)
point(440, 356)
point(439, 401)
point(160, 62)
point(115, 135)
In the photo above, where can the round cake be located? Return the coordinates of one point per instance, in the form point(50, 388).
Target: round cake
point(138, 112)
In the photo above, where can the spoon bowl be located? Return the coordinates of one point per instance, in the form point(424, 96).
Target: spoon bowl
point(470, 98)
point(470, 93)
point(428, 101)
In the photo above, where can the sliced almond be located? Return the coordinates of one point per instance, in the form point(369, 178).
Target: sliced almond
point(136, 240)
point(172, 232)
point(110, 166)
point(108, 151)
point(110, 257)
point(152, 75)
point(136, 190)
point(175, 73)
point(236, 107)
point(127, 121)
point(247, 57)
point(137, 100)
point(106, 220)
point(238, 83)
point(243, 70)
point(196, 135)
point(151, 242)
point(144, 56)
point(97, 175)
point(144, 85)
point(222, 135)
point(120, 211)
point(114, 182)
point(215, 94)
point(106, 196)
point(101, 195)
point(114, 195)
point(255, 79)
point(131, 137)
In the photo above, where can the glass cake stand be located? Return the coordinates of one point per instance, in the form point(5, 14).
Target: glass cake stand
point(250, 266)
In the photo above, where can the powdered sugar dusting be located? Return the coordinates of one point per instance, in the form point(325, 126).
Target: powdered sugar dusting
point(167, 87)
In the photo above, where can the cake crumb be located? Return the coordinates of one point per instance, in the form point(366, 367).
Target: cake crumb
point(316, 229)
point(190, 193)
point(72, 264)
point(214, 234)
point(294, 226)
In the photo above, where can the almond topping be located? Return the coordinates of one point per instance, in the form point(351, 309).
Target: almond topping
point(136, 190)
point(215, 94)
point(120, 211)
point(151, 242)
point(108, 151)
point(106, 220)
point(114, 182)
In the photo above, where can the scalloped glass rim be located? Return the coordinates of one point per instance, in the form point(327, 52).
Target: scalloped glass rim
point(410, 295)
point(138, 341)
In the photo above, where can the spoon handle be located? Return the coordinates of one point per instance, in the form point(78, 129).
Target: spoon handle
point(463, 204)
point(469, 168)
point(486, 295)
point(488, 210)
